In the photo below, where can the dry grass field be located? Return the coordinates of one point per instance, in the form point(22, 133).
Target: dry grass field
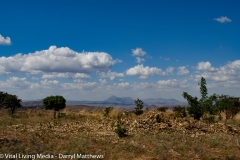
point(88, 131)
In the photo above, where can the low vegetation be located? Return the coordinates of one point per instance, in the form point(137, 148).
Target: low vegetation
point(162, 109)
point(180, 111)
point(128, 136)
point(206, 129)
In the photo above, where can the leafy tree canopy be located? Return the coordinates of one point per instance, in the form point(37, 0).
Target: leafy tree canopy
point(9, 101)
point(54, 102)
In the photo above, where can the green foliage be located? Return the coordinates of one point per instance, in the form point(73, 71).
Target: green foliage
point(194, 108)
point(139, 106)
point(162, 109)
point(180, 111)
point(2, 97)
point(60, 115)
point(229, 104)
point(107, 110)
point(55, 103)
point(197, 108)
point(120, 130)
point(9, 101)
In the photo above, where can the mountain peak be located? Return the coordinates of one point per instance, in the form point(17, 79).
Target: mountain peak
point(116, 99)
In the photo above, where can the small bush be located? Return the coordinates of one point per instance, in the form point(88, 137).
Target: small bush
point(139, 112)
point(107, 111)
point(160, 118)
point(180, 111)
point(120, 130)
point(60, 115)
point(162, 109)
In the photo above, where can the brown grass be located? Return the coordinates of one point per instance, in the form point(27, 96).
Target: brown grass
point(85, 131)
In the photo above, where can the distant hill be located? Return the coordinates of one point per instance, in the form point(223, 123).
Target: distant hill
point(125, 102)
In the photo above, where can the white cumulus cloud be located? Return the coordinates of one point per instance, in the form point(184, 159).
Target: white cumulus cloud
point(223, 19)
point(138, 52)
point(110, 75)
point(47, 82)
point(139, 60)
point(5, 41)
point(172, 84)
point(168, 83)
point(182, 70)
point(103, 81)
point(122, 85)
point(229, 73)
point(65, 75)
point(57, 60)
point(144, 72)
point(205, 66)
point(170, 70)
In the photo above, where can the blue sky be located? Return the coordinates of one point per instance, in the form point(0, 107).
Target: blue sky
point(90, 50)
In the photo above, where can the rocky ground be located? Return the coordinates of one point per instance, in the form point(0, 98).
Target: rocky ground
point(153, 135)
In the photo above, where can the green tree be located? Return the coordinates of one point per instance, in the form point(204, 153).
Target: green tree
point(205, 104)
point(229, 104)
point(139, 106)
point(10, 101)
point(2, 97)
point(55, 103)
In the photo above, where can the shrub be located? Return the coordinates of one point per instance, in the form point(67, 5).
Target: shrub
point(139, 107)
point(162, 109)
point(107, 110)
point(120, 130)
point(180, 111)
point(231, 105)
point(60, 115)
point(160, 118)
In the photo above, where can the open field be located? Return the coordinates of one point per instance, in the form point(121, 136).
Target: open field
point(88, 131)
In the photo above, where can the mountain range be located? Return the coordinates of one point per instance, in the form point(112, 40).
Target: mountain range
point(125, 102)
